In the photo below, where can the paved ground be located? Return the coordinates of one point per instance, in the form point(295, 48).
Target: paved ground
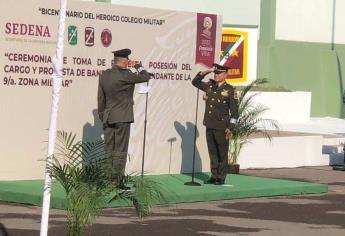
point(299, 215)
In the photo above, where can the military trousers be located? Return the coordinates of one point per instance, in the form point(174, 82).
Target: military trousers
point(116, 138)
point(218, 147)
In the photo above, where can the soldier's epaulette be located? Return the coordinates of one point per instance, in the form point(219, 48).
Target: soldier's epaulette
point(230, 86)
point(106, 71)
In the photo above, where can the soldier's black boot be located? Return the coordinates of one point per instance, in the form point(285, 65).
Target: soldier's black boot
point(210, 181)
point(124, 187)
point(219, 182)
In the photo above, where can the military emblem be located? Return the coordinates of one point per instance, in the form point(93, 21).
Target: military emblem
point(106, 37)
point(72, 35)
point(89, 36)
point(225, 93)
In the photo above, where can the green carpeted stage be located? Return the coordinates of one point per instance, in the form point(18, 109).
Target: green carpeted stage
point(237, 186)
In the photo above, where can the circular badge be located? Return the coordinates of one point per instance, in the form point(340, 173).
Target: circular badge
point(106, 37)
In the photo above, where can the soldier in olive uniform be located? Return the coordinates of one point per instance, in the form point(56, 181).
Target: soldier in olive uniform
point(115, 110)
point(220, 117)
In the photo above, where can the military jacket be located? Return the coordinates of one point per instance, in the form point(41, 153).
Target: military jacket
point(115, 94)
point(221, 110)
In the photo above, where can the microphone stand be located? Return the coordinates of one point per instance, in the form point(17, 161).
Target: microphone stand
point(193, 183)
point(145, 123)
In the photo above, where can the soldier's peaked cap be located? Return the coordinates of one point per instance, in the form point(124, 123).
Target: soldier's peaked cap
point(122, 53)
point(220, 68)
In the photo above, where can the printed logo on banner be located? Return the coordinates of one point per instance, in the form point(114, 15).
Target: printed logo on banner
point(106, 37)
point(72, 35)
point(206, 39)
point(89, 36)
point(234, 54)
point(27, 29)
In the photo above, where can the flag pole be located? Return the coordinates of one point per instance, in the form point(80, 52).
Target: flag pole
point(57, 84)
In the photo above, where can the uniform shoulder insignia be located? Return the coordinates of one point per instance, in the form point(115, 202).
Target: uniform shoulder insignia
point(104, 72)
point(229, 85)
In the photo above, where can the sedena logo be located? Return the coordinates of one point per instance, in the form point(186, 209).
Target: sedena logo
point(27, 29)
point(72, 35)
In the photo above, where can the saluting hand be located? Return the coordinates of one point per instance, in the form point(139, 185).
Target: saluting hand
point(203, 73)
point(138, 65)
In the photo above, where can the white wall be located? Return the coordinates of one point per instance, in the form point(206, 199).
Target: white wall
point(339, 34)
point(310, 20)
point(239, 12)
point(306, 151)
point(285, 107)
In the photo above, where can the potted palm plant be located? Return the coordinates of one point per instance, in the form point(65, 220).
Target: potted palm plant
point(248, 123)
point(80, 168)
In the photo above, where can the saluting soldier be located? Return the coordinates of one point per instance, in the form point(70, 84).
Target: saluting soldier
point(115, 110)
point(221, 113)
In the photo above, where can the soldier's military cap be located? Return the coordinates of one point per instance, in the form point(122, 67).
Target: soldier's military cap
point(122, 53)
point(220, 69)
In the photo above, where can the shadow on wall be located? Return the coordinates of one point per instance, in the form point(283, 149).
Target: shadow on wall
point(93, 132)
point(3, 231)
point(187, 147)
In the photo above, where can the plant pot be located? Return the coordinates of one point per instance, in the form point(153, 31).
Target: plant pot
point(234, 168)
